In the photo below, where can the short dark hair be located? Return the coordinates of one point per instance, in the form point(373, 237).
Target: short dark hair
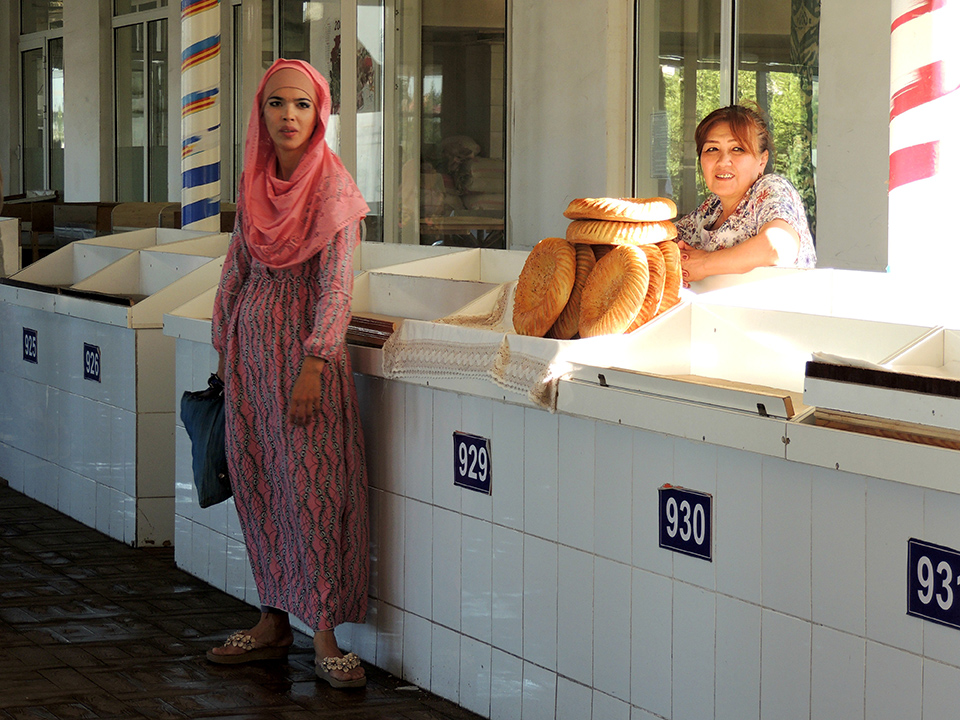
point(746, 123)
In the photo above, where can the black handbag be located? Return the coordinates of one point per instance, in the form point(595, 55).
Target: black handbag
point(202, 415)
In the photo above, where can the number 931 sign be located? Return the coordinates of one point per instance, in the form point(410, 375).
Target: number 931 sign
point(471, 462)
point(686, 521)
point(933, 582)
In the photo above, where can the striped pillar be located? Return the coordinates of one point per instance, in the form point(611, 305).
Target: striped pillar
point(200, 114)
point(924, 138)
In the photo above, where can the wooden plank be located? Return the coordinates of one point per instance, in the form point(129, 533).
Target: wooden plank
point(884, 427)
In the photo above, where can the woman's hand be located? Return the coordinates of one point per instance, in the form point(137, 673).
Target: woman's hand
point(306, 394)
point(693, 262)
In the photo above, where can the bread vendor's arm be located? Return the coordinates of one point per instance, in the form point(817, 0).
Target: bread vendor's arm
point(777, 243)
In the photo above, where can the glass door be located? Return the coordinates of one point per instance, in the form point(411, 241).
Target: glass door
point(43, 119)
point(141, 91)
point(451, 122)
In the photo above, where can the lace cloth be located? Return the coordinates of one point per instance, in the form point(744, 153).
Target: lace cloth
point(484, 346)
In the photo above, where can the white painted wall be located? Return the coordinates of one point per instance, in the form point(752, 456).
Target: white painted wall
point(569, 132)
point(87, 103)
point(853, 145)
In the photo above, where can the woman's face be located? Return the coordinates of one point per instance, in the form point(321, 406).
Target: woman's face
point(729, 168)
point(290, 116)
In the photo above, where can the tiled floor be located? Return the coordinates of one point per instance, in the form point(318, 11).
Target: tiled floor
point(91, 628)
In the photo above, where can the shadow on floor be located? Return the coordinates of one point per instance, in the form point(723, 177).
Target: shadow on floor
point(91, 628)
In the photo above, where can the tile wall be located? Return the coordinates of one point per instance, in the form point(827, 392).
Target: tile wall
point(100, 452)
point(550, 598)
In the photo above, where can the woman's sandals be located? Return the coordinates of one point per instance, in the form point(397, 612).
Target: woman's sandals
point(344, 664)
point(253, 651)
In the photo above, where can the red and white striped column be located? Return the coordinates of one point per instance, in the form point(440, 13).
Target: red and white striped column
point(924, 137)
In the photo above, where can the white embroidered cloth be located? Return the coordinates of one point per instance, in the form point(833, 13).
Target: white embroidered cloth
point(485, 346)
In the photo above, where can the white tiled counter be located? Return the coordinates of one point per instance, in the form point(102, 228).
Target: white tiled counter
point(86, 425)
point(551, 598)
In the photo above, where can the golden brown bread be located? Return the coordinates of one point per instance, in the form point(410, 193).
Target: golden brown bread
point(600, 250)
point(609, 232)
point(544, 286)
point(614, 292)
point(651, 301)
point(567, 325)
point(622, 209)
point(672, 274)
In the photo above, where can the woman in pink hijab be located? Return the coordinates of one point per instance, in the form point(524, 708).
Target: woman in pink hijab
point(294, 443)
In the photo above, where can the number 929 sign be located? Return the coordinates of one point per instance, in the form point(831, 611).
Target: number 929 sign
point(471, 462)
point(686, 521)
point(933, 582)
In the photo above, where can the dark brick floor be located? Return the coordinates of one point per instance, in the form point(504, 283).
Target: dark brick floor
point(91, 628)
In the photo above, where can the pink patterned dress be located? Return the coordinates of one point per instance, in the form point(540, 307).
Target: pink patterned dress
point(300, 491)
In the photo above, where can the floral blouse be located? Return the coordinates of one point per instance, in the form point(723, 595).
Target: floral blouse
point(771, 197)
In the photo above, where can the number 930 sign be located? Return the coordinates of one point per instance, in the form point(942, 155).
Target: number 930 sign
point(471, 462)
point(933, 582)
point(686, 521)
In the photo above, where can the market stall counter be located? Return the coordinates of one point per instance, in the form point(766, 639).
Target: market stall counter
point(88, 428)
point(654, 541)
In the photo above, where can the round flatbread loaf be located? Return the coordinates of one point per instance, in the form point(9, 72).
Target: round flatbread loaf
point(614, 292)
point(622, 209)
point(544, 286)
point(610, 232)
point(672, 274)
point(600, 250)
point(568, 323)
point(651, 301)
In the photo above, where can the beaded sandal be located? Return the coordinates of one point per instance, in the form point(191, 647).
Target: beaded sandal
point(344, 664)
point(252, 652)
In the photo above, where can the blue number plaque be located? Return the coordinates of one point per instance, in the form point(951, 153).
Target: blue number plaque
point(91, 362)
point(471, 462)
point(686, 522)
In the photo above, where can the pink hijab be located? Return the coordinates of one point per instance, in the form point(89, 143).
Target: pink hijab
point(286, 222)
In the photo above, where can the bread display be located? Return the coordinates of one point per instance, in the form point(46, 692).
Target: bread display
point(622, 209)
point(615, 291)
point(568, 323)
point(544, 286)
point(610, 232)
point(618, 268)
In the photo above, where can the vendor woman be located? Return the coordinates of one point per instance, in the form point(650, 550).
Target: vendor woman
point(750, 219)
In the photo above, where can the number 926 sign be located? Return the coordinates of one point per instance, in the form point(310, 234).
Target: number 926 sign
point(686, 521)
point(933, 582)
point(471, 462)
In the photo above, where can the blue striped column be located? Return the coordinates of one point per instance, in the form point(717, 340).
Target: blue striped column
point(200, 114)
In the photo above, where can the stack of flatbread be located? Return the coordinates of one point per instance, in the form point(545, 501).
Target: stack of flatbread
point(617, 268)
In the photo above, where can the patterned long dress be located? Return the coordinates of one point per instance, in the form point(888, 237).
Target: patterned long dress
point(300, 492)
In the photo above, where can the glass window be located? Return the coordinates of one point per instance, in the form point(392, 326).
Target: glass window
point(34, 112)
point(311, 31)
point(56, 144)
point(157, 111)
point(369, 90)
point(141, 111)
point(779, 64)
point(125, 7)
point(777, 47)
point(314, 31)
point(453, 173)
point(39, 15)
point(131, 119)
